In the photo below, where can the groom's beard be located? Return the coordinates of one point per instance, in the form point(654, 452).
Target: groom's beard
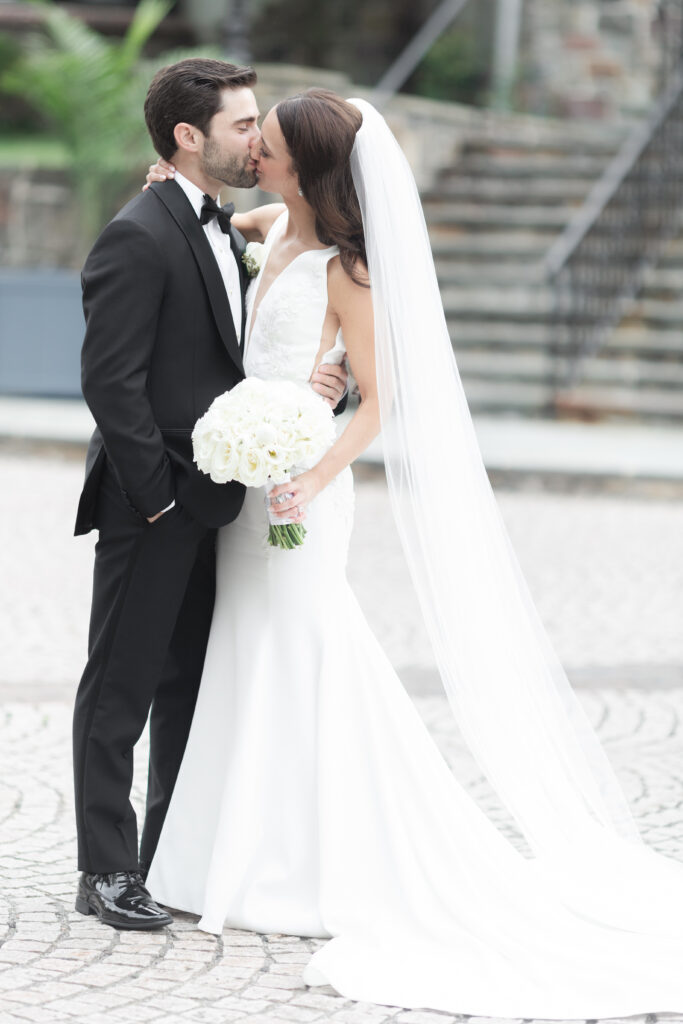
point(231, 170)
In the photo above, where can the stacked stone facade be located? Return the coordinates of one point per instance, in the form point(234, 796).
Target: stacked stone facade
point(597, 58)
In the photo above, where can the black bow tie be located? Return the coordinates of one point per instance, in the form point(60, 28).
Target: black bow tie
point(211, 209)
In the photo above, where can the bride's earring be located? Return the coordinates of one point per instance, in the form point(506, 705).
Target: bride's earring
point(299, 192)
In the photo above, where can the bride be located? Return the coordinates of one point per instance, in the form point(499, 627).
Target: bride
point(311, 799)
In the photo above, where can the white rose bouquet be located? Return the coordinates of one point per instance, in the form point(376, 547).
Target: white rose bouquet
point(257, 433)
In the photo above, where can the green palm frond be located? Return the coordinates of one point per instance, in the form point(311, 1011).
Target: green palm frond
point(148, 16)
point(72, 36)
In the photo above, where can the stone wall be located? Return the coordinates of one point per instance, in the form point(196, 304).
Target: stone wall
point(594, 58)
point(38, 219)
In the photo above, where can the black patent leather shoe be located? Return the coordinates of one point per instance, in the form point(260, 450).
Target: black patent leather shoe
point(121, 900)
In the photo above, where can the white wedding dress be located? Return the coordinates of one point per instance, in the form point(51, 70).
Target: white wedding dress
point(312, 800)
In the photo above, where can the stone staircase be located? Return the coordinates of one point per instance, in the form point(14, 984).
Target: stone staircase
point(639, 371)
point(491, 218)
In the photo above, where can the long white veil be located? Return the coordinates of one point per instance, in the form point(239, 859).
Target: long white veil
point(509, 693)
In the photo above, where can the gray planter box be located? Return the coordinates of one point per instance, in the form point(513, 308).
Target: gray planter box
point(41, 332)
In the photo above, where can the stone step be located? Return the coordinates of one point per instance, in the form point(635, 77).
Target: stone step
point(516, 298)
point(494, 270)
point(524, 166)
point(671, 255)
point(634, 339)
point(663, 281)
point(497, 302)
point(638, 373)
point(656, 312)
point(540, 192)
point(563, 141)
point(501, 215)
point(590, 402)
point(596, 402)
point(502, 335)
point(507, 396)
point(534, 367)
point(543, 368)
point(488, 245)
point(509, 335)
point(465, 316)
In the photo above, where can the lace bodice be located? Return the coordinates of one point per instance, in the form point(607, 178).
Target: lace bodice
point(283, 334)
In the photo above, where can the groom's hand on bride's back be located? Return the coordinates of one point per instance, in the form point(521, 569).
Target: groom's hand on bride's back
point(330, 381)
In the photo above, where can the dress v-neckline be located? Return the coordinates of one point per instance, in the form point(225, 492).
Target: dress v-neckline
point(258, 301)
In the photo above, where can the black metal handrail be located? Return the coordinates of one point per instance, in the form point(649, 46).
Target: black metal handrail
point(668, 31)
point(598, 263)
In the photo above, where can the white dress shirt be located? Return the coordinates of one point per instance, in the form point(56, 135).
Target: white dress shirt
point(220, 245)
point(225, 257)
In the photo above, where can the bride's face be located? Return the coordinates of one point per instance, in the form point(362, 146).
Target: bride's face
point(274, 170)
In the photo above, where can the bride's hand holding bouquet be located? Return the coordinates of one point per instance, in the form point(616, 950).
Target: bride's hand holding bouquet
point(257, 434)
point(291, 499)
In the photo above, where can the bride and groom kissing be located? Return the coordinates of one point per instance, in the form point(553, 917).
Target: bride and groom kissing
point(292, 785)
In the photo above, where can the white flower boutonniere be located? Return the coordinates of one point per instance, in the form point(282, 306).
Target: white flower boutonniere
point(252, 257)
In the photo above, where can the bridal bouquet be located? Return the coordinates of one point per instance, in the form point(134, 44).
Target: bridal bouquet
point(257, 433)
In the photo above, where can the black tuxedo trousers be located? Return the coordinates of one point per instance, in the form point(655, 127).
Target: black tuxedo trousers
point(153, 593)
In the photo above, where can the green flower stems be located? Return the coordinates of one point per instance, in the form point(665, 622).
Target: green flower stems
point(286, 535)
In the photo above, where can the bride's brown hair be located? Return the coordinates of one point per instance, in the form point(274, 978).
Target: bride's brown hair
point(320, 128)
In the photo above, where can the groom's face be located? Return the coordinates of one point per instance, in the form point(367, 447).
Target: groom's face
point(225, 153)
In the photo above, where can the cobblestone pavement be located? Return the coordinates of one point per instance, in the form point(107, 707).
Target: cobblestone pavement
point(56, 965)
point(606, 573)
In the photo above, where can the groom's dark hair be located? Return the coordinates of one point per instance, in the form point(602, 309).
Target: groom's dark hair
point(189, 91)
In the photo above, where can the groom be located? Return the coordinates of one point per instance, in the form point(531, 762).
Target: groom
point(163, 295)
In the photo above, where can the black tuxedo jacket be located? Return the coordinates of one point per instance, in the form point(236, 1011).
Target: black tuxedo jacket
point(159, 346)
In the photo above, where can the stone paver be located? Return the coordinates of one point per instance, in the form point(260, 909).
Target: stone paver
point(602, 569)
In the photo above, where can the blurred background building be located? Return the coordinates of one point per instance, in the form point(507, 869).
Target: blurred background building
point(545, 137)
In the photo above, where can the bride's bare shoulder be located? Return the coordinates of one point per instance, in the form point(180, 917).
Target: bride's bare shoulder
point(350, 298)
point(347, 289)
point(256, 224)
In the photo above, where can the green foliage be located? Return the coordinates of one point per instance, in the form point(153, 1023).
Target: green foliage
point(452, 70)
point(91, 90)
point(9, 51)
point(29, 151)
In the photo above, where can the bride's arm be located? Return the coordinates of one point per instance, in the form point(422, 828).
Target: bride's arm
point(353, 305)
point(254, 225)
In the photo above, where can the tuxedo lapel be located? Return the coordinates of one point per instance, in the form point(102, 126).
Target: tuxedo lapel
point(175, 201)
point(238, 244)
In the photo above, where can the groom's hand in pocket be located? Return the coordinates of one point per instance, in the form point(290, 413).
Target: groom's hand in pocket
point(153, 519)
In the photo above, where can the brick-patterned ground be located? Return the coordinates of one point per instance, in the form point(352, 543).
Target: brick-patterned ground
point(606, 572)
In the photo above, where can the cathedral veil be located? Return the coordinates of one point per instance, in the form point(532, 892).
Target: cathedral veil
point(509, 694)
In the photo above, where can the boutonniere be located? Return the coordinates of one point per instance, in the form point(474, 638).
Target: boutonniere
point(252, 257)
